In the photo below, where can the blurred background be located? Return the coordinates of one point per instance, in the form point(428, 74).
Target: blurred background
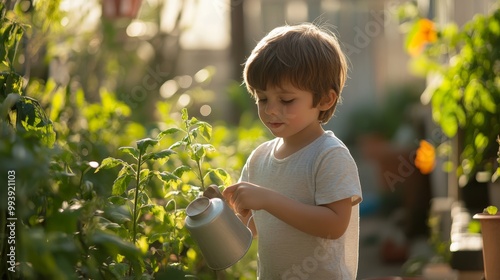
point(159, 56)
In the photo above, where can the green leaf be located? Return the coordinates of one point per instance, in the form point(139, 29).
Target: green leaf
point(114, 245)
point(449, 125)
point(147, 207)
point(120, 269)
point(144, 176)
point(221, 175)
point(119, 215)
point(109, 162)
point(167, 176)
point(474, 226)
point(117, 200)
point(481, 141)
point(57, 103)
point(157, 236)
point(169, 131)
point(177, 144)
point(33, 121)
point(181, 170)
point(184, 114)
point(205, 130)
point(492, 210)
point(112, 226)
point(159, 212)
point(121, 183)
point(130, 151)
point(201, 150)
point(494, 27)
point(487, 101)
point(143, 144)
point(164, 154)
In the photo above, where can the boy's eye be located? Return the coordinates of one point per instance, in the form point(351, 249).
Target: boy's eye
point(287, 101)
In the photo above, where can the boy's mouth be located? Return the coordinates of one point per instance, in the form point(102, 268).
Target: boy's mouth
point(275, 124)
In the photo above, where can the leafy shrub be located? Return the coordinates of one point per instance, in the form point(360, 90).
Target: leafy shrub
point(71, 221)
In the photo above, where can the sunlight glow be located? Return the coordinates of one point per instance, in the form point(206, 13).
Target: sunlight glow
point(184, 100)
point(205, 110)
point(168, 89)
point(83, 15)
point(202, 75)
point(185, 81)
point(208, 23)
point(145, 50)
point(139, 28)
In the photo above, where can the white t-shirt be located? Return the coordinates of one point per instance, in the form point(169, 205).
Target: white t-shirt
point(320, 173)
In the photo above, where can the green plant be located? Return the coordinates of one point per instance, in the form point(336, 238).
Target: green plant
point(138, 199)
point(76, 224)
point(23, 113)
point(492, 210)
point(497, 173)
point(465, 91)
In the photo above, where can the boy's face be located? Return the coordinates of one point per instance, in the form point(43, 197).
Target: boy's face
point(287, 111)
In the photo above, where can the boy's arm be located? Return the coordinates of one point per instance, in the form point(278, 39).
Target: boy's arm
point(326, 221)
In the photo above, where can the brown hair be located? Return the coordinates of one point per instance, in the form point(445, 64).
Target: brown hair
point(304, 55)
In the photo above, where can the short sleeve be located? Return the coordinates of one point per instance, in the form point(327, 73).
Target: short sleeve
point(337, 177)
point(244, 172)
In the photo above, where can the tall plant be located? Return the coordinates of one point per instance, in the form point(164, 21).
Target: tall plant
point(465, 90)
point(137, 199)
point(23, 113)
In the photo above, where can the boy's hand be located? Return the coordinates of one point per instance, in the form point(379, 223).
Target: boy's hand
point(244, 196)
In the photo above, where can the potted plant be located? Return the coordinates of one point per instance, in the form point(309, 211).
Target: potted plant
point(120, 8)
point(490, 230)
point(463, 70)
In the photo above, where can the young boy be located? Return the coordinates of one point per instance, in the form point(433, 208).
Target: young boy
point(301, 188)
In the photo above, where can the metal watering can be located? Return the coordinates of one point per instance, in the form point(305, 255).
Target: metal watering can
point(222, 238)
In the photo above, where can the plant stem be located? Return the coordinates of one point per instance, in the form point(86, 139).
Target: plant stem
point(136, 198)
point(189, 142)
point(200, 175)
point(81, 181)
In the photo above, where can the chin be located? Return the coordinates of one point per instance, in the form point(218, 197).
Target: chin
point(273, 132)
point(278, 133)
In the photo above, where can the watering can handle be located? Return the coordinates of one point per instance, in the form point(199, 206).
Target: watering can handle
point(213, 191)
point(249, 219)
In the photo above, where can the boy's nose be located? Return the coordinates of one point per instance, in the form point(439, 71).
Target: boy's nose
point(271, 108)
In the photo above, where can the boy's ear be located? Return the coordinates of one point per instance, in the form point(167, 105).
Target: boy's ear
point(328, 100)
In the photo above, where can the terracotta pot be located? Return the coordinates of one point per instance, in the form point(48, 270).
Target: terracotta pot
point(120, 8)
point(490, 230)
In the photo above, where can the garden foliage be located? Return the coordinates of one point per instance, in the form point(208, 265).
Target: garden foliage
point(462, 64)
point(98, 195)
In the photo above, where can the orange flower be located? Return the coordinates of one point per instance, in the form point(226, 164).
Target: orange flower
point(426, 157)
point(423, 32)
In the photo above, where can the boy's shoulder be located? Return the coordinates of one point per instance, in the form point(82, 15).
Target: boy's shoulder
point(330, 140)
point(327, 142)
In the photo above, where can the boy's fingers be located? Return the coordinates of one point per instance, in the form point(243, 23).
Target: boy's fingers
point(229, 189)
point(244, 212)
